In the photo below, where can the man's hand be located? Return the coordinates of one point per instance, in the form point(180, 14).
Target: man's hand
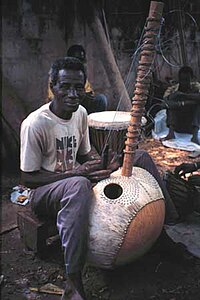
point(184, 169)
point(88, 167)
point(115, 161)
point(94, 170)
point(114, 164)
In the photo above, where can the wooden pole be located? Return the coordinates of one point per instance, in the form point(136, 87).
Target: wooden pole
point(181, 35)
point(143, 80)
point(110, 66)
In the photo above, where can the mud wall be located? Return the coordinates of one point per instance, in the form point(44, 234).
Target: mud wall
point(30, 42)
point(33, 36)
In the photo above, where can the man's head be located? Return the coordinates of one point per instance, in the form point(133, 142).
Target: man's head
point(77, 51)
point(185, 76)
point(67, 63)
point(67, 80)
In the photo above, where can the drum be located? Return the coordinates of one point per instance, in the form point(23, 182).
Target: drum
point(108, 127)
point(126, 217)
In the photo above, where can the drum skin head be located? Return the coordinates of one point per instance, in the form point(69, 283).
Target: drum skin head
point(109, 120)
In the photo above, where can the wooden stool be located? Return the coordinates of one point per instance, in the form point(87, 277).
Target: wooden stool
point(34, 232)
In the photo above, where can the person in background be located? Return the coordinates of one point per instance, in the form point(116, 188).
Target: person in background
point(92, 102)
point(183, 105)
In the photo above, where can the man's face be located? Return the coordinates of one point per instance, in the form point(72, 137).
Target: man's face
point(185, 80)
point(68, 91)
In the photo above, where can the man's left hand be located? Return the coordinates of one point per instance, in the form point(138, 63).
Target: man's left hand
point(115, 163)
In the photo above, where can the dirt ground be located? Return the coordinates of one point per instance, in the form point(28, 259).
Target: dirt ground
point(156, 276)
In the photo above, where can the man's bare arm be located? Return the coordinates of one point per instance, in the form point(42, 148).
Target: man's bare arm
point(42, 177)
point(91, 169)
point(92, 155)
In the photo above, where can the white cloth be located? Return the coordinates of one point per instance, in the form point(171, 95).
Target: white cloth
point(182, 141)
point(52, 143)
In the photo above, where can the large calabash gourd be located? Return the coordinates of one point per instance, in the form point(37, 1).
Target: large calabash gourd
point(128, 210)
point(127, 216)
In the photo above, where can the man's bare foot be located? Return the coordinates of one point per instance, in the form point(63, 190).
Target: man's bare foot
point(168, 137)
point(74, 288)
point(71, 293)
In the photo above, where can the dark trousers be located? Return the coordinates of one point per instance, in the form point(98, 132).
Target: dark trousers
point(184, 119)
point(68, 200)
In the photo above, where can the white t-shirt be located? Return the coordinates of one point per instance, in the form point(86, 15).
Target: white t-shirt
point(51, 143)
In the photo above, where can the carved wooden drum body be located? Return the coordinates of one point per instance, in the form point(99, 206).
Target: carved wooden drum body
point(126, 218)
point(108, 127)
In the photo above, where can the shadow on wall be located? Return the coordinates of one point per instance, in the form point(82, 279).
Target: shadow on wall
point(13, 112)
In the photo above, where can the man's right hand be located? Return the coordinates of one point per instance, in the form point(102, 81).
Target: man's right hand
point(93, 170)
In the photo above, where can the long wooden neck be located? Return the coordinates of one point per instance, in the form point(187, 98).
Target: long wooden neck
point(143, 80)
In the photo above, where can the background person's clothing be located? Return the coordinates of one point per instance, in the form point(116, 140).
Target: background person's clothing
point(94, 102)
point(88, 88)
point(183, 119)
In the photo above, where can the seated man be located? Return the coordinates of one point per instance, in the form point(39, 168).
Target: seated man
point(92, 102)
point(183, 106)
point(56, 163)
